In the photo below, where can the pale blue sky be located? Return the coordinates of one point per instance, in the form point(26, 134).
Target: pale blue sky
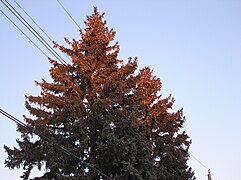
point(193, 46)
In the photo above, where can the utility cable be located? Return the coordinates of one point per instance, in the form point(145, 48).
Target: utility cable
point(199, 162)
point(12, 118)
point(33, 31)
point(38, 133)
point(33, 21)
point(37, 24)
point(25, 34)
point(202, 164)
point(68, 14)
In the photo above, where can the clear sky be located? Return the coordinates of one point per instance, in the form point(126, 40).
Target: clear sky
point(193, 46)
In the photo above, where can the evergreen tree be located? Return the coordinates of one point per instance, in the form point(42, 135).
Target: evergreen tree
point(110, 118)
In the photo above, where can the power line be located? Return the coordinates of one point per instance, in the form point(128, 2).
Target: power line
point(12, 118)
point(36, 24)
point(33, 21)
point(25, 34)
point(199, 162)
point(213, 175)
point(202, 164)
point(68, 14)
point(33, 31)
point(38, 133)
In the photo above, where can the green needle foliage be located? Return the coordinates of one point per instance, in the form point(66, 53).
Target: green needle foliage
point(106, 113)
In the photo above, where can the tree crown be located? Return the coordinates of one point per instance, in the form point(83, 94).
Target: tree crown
point(104, 112)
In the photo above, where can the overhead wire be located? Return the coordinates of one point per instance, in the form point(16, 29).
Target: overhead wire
point(38, 133)
point(33, 21)
point(25, 34)
point(213, 175)
point(33, 31)
point(36, 24)
point(199, 161)
point(195, 158)
point(12, 118)
point(68, 14)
